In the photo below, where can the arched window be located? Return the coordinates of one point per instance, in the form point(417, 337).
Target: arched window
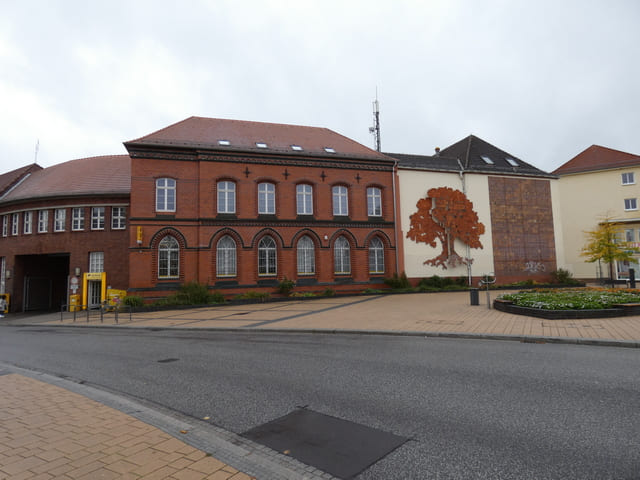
point(376, 256)
point(226, 197)
point(226, 257)
point(267, 198)
point(168, 258)
point(306, 256)
point(374, 202)
point(267, 256)
point(165, 195)
point(304, 199)
point(341, 256)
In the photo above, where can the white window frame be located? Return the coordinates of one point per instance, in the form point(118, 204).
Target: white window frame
point(628, 178)
point(226, 197)
point(226, 257)
point(629, 235)
point(304, 199)
point(266, 198)
point(5, 225)
point(97, 218)
point(341, 256)
point(168, 258)
point(340, 197)
point(630, 204)
point(96, 262)
point(15, 224)
point(166, 195)
point(43, 221)
point(118, 218)
point(306, 256)
point(77, 219)
point(267, 257)
point(59, 219)
point(27, 220)
point(374, 202)
point(376, 256)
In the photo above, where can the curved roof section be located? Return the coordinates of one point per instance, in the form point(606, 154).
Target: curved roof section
point(10, 179)
point(106, 175)
point(239, 135)
point(597, 158)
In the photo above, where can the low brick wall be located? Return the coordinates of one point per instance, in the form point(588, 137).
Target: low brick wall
point(622, 310)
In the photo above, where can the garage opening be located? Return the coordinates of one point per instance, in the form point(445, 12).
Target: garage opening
point(44, 284)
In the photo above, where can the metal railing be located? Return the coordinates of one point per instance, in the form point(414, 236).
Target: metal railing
point(89, 312)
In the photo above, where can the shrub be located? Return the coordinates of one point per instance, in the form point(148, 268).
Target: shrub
point(303, 294)
point(133, 301)
point(252, 295)
point(563, 277)
point(329, 292)
point(398, 281)
point(285, 286)
point(372, 290)
point(192, 293)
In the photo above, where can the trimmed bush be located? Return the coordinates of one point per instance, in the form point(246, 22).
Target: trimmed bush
point(286, 286)
point(133, 301)
point(398, 282)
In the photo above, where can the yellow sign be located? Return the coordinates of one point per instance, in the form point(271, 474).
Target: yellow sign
point(94, 275)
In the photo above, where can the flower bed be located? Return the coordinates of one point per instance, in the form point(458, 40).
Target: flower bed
point(571, 303)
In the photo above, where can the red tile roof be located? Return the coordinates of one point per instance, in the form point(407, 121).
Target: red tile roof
point(12, 178)
point(200, 132)
point(597, 158)
point(86, 176)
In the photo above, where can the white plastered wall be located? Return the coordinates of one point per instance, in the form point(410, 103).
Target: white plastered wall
point(414, 185)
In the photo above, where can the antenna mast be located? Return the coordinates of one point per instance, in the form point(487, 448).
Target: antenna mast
point(375, 130)
point(37, 148)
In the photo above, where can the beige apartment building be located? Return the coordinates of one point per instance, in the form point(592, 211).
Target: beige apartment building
point(598, 183)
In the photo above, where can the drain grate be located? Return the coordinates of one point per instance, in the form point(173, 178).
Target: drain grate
point(339, 447)
point(168, 360)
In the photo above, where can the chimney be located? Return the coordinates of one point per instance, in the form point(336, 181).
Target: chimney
point(437, 151)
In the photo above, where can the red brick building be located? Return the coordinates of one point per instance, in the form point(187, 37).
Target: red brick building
point(241, 205)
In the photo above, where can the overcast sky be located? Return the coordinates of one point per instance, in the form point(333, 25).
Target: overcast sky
point(542, 80)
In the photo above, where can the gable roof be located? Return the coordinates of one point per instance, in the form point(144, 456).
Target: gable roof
point(468, 153)
point(597, 158)
point(92, 176)
point(10, 179)
point(244, 136)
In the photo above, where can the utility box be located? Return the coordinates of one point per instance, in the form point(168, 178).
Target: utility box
point(114, 297)
point(7, 300)
point(74, 303)
point(474, 296)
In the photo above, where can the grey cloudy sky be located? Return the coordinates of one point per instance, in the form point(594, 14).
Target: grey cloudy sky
point(540, 79)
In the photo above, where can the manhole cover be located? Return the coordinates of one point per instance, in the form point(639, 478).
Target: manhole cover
point(336, 446)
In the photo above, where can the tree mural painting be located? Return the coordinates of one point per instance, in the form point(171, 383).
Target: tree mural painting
point(446, 215)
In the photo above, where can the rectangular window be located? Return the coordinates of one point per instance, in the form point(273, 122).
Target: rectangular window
point(28, 222)
point(629, 235)
point(267, 199)
point(96, 262)
point(226, 197)
point(628, 178)
point(630, 204)
point(304, 199)
point(165, 195)
point(97, 218)
point(59, 219)
point(43, 221)
point(5, 225)
point(374, 202)
point(15, 221)
point(77, 219)
point(118, 219)
point(340, 201)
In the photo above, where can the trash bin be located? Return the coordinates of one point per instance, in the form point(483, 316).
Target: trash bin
point(474, 296)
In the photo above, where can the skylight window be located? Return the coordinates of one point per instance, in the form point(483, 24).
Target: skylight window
point(297, 148)
point(512, 162)
point(224, 142)
point(329, 150)
point(261, 145)
point(486, 159)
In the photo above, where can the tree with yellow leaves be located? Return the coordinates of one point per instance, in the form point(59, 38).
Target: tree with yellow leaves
point(605, 243)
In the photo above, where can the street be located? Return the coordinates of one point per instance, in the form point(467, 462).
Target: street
point(470, 408)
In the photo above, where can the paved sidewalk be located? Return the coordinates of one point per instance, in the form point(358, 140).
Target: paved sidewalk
point(48, 432)
point(438, 314)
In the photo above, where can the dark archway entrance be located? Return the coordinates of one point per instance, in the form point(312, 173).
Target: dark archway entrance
point(41, 281)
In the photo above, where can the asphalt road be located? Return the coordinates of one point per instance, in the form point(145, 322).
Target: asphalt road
point(472, 409)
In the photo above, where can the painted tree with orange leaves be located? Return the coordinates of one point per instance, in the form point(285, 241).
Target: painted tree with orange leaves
point(446, 215)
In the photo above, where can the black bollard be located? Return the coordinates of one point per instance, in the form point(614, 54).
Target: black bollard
point(632, 278)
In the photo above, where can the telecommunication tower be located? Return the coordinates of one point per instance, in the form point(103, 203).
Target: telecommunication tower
point(375, 130)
